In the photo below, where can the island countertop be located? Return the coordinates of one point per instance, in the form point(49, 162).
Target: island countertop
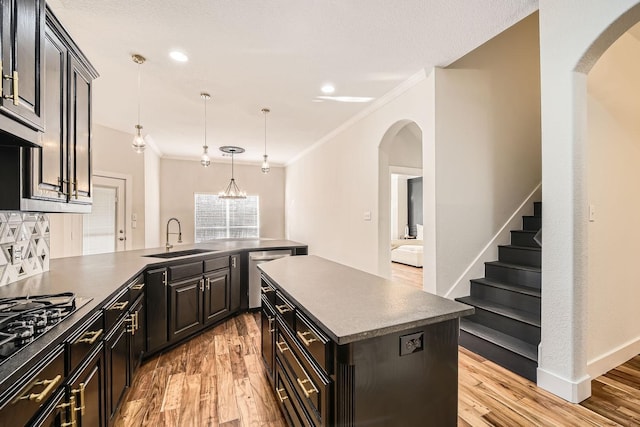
point(351, 305)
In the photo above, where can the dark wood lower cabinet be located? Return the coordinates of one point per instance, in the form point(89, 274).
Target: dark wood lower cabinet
point(88, 390)
point(55, 413)
point(117, 366)
point(185, 300)
point(268, 328)
point(157, 318)
point(138, 333)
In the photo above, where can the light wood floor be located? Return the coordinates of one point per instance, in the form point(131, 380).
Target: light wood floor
point(406, 274)
point(217, 379)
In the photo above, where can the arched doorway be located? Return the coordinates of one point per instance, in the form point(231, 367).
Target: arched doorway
point(400, 159)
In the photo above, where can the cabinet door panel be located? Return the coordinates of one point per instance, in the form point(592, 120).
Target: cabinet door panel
point(216, 296)
point(156, 294)
point(88, 390)
point(138, 339)
point(80, 134)
point(185, 316)
point(268, 326)
point(117, 359)
point(49, 163)
point(22, 54)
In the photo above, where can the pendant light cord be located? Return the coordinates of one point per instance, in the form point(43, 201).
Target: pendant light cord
point(139, 79)
point(265, 133)
point(205, 121)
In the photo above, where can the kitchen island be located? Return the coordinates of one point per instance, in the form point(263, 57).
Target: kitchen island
point(344, 347)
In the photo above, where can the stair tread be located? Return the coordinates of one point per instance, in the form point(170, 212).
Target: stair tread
point(511, 343)
point(502, 310)
point(516, 266)
point(525, 248)
point(527, 290)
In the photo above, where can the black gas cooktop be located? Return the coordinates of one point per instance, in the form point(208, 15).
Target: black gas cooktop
point(23, 319)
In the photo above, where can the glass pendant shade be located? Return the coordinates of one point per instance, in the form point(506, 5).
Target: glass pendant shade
point(138, 144)
point(265, 164)
point(205, 160)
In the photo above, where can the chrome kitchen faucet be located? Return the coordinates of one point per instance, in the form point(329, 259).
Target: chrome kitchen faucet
point(179, 233)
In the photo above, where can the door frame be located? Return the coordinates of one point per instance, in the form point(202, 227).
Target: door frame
point(128, 201)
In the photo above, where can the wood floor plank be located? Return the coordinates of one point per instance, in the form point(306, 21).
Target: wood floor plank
point(226, 397)
point(246, 403)
point(208, 406)
point(190, 412)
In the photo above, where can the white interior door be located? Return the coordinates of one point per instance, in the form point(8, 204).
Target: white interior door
point(104, 228)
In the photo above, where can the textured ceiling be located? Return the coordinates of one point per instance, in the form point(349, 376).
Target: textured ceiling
point(250, 54)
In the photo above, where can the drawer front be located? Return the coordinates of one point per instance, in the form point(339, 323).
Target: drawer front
point(184, 271)
point(291, 406)
point(268, 290)
point(285, 310)
point(136, 289)
point(216, 263)
point(312, 390)
point(116, 309)
point(86, 340)
point(21, 407)
point(314, 342)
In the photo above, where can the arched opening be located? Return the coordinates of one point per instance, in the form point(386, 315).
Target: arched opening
point(400, 203)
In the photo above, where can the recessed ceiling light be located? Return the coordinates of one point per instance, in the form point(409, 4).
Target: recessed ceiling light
point(328, 88)
point(346, 98)
point(178, 56)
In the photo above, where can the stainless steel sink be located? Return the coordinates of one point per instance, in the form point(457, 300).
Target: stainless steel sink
point(179, 253)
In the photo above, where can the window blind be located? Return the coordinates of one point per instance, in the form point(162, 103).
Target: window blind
point(217, 218)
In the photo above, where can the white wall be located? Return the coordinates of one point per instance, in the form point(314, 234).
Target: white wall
point(111, 152)
point(329, 190)
point(487, 144)
point(613, 180)
point(180, 179)
point(573, 34)
point(151, 198)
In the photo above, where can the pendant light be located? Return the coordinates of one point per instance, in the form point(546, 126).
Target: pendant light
point(232, 191)
point(205, 160)
point(139, 143)
point(265, 162)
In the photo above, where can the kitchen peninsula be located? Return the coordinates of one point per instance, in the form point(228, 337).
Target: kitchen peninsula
point(79, 367)
point(344, 347)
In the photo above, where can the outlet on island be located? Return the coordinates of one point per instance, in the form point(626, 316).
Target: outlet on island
point(411, 343)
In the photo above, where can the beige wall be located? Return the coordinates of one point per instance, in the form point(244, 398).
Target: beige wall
point(111, 153)
point(487, 145)
point(151, 198)
point(180, 179)
point(614, 177)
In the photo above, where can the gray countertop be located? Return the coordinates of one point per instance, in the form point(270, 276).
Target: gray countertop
point(351, 305)
point(99, 277)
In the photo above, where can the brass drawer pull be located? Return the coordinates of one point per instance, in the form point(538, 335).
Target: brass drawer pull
point(138, 287)
point(303, 337)
point(119, 306)
point(81, 400)
point(306, 392)
point(280, 396)
point(271, 328)
point(282, 346)
point(72, 409)
point(132, 324)
point(90, 337)
point(282, 309)
point(266, 289)
point(39, 397)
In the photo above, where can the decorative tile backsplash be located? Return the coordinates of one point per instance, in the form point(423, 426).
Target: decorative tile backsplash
point(24, 245)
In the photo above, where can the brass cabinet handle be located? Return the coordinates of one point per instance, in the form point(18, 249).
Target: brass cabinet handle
point(201, 285)
point(138, 287)
point(39, 397)
point(137, 320)
point(280, 396)
point(303, 337)
point(90, 337)
point(208, 284)
point(72, 410)
point(280, 345)
point(271, 328)
point(306, 392)
point(283, 308)
point(266, 289)
point(14, 78)
point(132, 324)
point(119, 306)
point(165, 278)
point(81, 400)
point(233, 262)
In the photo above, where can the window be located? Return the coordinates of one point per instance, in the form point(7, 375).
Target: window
point(223, 218)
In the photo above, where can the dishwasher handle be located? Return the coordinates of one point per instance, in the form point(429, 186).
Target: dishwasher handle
point(268, 258)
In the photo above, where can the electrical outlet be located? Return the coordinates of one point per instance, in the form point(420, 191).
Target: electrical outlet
point(411, 343)
point(16, 254)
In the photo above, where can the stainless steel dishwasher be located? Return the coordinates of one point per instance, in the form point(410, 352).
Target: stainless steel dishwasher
point(256, 258)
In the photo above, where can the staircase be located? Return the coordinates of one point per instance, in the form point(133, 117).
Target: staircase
point(506, 325)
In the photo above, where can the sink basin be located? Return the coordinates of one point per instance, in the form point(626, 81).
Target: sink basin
point(179, 253)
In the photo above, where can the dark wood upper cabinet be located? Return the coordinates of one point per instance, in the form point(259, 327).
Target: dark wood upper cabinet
point(79, 133)
point(22, 59)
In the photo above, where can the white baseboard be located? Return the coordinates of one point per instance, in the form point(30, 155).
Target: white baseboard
point(613, 358)
point(490, 252)
point(572, 391)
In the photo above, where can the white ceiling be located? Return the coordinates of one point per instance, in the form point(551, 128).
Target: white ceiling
point(250, 54)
